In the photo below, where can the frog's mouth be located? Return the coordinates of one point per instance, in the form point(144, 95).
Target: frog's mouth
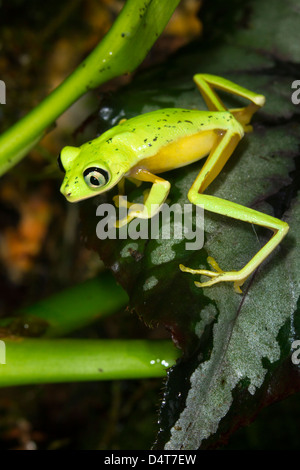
point(75, 193)
point(71, 193)
point(73, 197)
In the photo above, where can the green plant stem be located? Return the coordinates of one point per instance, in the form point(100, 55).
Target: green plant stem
point(32, 361)
point(73, 308)
point(122, 49)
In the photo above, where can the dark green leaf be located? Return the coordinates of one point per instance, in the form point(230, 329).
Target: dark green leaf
point(237, 347)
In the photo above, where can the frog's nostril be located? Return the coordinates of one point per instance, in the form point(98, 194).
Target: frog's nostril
point(69, 194)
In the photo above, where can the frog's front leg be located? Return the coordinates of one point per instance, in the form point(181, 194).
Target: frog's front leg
point(120, 200)
point(152, 200)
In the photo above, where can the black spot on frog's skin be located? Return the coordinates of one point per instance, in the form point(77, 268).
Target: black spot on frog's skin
point(190, 122)
point(145, 140)
point(149, 145)
point(155, 139)
point(132, 130)
point(178, 122)
point(116, 150)
point(123, 35)
point(90, 142)
point(109, 140)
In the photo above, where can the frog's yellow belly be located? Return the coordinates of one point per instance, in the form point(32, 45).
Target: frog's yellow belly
point(181, 152)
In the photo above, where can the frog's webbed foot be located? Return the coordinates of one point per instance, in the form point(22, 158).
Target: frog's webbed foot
point(237, 277)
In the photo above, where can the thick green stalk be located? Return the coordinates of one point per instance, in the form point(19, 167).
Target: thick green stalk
point(120, 51)
point(72, 308)
point(32, 361)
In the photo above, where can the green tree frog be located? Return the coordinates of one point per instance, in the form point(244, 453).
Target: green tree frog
point(152, 143)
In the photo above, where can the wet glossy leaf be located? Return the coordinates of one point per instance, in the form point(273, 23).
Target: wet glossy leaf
point(237, 348)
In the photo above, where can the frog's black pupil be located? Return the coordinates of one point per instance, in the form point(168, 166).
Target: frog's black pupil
point(94, 181)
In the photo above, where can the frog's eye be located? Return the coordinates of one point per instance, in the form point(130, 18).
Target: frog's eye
point(60, 165)
point(96, 177)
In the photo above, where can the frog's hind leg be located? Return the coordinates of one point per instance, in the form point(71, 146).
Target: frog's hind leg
point(213, 165)
point(207, 83)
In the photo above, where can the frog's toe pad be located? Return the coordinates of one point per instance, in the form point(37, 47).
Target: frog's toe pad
point(216, 276)
point(222, 278)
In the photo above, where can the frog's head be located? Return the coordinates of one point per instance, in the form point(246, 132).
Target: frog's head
point(86, 174)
